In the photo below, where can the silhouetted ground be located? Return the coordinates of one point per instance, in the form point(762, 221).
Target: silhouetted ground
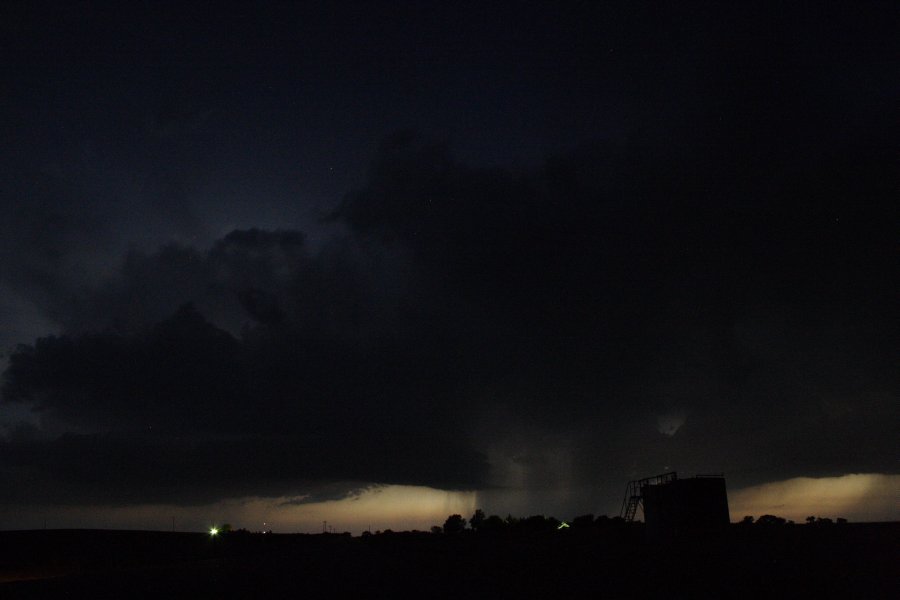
point(849, 561)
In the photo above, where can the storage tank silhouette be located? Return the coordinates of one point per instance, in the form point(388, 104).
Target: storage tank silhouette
point(673, 505)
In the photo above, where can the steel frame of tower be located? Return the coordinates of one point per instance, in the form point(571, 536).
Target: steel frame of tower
point(634, 493)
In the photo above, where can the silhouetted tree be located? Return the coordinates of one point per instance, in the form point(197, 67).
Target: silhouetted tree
point(493, 523)
point(582, 522)
point(820, 521)
point(454, 524)
point(770, 520)
point(477, 519)
point(538, 523)
point(748, 520)
point(436, 529)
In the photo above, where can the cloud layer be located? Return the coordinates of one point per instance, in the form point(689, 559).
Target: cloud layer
point(604, 317)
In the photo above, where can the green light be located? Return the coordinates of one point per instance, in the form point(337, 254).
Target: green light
point(213, 531)
point(563, 525)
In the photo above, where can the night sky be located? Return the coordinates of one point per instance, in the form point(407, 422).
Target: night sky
point(388, 261)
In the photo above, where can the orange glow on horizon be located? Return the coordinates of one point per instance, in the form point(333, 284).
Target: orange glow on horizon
point(857, 497)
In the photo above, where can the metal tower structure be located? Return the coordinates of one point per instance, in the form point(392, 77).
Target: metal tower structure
point(634, 493)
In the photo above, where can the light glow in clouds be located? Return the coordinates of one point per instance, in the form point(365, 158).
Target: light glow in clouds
point(670, 422)
point(857, 497)
point(396, 507)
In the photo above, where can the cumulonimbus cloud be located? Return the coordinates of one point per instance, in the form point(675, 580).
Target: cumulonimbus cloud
point(456, 296)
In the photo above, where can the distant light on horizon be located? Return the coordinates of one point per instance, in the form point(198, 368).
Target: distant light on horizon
point(856, 496)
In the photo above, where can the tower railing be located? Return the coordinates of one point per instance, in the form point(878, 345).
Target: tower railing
point(634, 493)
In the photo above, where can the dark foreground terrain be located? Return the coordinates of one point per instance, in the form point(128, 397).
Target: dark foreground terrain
point(847, 561)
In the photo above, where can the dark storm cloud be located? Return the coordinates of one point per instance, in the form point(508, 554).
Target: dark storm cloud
point(188, 413)
point(707, 287)
point(318, 392)
point(473, 313)
point(326, 493)
point(618, 290)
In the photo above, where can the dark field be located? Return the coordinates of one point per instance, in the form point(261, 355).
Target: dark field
point(845, 561)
